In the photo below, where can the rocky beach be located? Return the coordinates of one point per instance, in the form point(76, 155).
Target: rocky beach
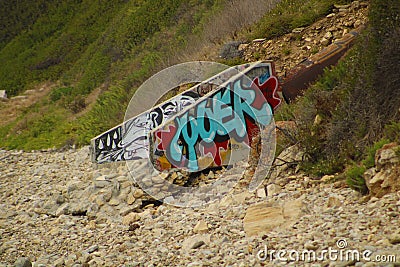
point(57, 209)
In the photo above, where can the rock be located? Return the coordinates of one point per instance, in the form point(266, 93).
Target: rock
point(138, 193)
point(394, 239)
point(195, 242)
point(29, 92)
point(19, 97)
point(226, 201)
point(3, 94)
point(357, 23)
point(288, 158)
point(263, 217)
point(328, 35)
point(311, 245)
point(387, 156)
point(23, 262)
point(63, 209)
point(195, 264)
point(101, 183)
point(273, 189)
point(385, 178)
point(298, 30)
point(130, 218)
point(261, 193)
point(59, 262)
point(243, 46)
point(260, 40)
point(78, 209)
point(325, 41)
point(130, 199)
point(341, 6)
point(114, 202)
point(334, 202)
point(327, 178)
point(91, 249)
point(201, 227)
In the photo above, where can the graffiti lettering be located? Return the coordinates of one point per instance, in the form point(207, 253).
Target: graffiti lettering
point(128, 141)
point(230, 114)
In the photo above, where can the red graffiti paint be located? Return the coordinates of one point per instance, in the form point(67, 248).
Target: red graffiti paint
point(269, 92)
point(166, 137)
point(215, 151)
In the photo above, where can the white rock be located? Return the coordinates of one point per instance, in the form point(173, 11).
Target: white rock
point(3, 94)
point(273, 189)
point(261, 193)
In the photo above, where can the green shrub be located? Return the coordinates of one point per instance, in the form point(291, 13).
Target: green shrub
point(232, 61)
point(58, 93)
point(392, 131)
point(74, 103)
point(355, 179)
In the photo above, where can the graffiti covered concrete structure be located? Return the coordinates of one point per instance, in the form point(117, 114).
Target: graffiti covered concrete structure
point(129, 140)
point(224, 121)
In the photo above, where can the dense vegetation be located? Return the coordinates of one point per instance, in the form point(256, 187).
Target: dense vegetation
point(83, 45)
point(357, 102)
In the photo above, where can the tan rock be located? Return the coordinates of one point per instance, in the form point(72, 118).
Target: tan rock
point(333, 202)
point(114, 202)
point(194, 242)
point(273, 189)
point(130, 218)
point(261, 193)
point(138, 193)
point(242, 197)
point(385, 178)
point(387, 155)
point(394, 239)
point(130, 199)
point(327, 178)
point(260, 219)
point(201, 227)
point(263, 217)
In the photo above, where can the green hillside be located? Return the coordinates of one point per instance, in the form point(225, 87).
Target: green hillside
point(81, 46)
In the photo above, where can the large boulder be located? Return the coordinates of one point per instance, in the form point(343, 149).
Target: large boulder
point(264, 217)
point(384, 178)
